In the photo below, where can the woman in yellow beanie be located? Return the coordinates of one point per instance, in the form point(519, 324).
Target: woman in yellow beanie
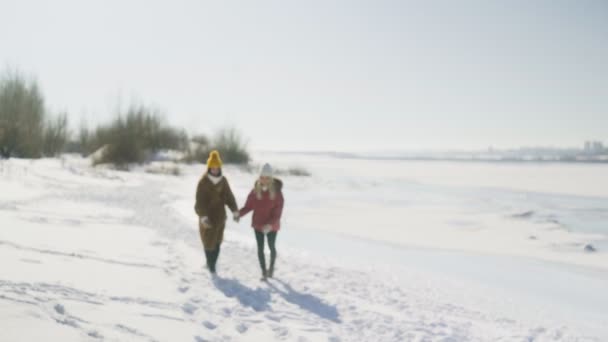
point(213, 194)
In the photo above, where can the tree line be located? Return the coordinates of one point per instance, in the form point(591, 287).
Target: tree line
point(29, 130)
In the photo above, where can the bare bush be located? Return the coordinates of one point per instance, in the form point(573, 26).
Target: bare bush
point(134, 136)
point(231, 145)
point(55, 136)
point(22, 117)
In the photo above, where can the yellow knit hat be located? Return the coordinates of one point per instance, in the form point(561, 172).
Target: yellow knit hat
point(214, 160)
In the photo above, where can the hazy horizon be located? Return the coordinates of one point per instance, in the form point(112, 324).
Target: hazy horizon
point(327, 76)
point(430, 150)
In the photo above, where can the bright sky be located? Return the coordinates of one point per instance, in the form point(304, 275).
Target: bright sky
point(327, 75)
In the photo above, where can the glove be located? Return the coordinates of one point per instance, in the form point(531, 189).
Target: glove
point(204, 221)
point(236, 216)
point(267, 228)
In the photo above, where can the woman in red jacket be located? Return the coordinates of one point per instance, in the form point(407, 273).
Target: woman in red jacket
point(266, 201)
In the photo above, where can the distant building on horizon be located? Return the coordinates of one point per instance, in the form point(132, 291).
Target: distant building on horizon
point(592, 147)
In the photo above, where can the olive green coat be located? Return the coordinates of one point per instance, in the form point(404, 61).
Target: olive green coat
point(211, 202)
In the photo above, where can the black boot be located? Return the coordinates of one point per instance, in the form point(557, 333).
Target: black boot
point(215, 256)
point(209, 258)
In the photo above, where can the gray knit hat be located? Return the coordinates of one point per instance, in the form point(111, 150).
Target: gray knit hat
point(266, 170)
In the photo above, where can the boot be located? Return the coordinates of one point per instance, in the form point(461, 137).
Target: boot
point(216, 255)
point(209, 258)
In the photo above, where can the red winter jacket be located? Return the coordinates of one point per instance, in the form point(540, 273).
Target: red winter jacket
point(267, 206)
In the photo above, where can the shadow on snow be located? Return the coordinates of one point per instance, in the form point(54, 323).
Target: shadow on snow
point(259, 299)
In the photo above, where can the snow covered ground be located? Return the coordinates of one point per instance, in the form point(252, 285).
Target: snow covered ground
point(370, 251)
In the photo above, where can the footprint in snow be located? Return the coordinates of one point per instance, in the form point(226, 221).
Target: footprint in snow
point(60, 309)
point(242, 328)
point(189, 309)
point(227, 312)
point(95, 334)
point(281, 332)
point(159, 244)
point(209, 325)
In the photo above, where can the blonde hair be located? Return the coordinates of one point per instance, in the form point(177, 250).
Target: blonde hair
point(271, 189)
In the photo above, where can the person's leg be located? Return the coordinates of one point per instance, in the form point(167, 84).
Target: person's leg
point(209, 259)
point(259, 236)
point(208, 252)
point(215, 256)
point(218, 242)
point(272, 239)
point(201, 232)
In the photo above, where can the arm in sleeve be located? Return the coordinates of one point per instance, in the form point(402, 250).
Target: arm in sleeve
point(199, 205)
point(229, 199)
point(248, 205)
point(277, 211)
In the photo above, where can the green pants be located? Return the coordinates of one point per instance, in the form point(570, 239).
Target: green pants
point(272, 238)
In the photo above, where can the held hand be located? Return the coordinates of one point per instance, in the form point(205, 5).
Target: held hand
point(204, 221)
point(236, 216)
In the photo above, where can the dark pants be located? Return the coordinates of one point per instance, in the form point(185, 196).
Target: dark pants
point(212, 257)
point(272, 238)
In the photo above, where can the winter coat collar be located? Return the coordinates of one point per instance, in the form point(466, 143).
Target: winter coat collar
point(215, 180)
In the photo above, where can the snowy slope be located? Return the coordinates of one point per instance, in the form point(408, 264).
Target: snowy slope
point(100, 255)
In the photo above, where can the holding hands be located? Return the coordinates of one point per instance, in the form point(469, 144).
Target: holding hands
point(236, 216)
